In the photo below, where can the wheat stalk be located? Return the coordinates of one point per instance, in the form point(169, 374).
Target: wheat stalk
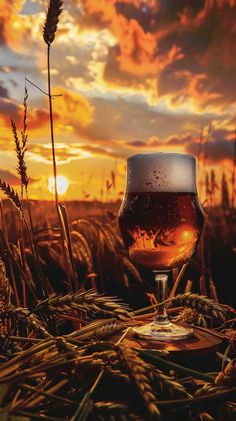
point(109, 329)
point(84, 248)
point(109, 411)
point(5, 297)
point(227, 377)
point(137, 372)
point(11, 194)
point(49, 32)
point(20, 147)
point(52, 19)
point(20, 152)
point(127, 264)
point(166, 386)
point(88, 302)
point(33, 322)
point(5, 288)
point(202, 304)
point(191, 317)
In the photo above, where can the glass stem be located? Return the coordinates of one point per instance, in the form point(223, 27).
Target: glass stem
point(161, 279)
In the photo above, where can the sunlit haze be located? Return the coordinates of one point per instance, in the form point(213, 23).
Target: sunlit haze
point(62, 184)
point(134, 76)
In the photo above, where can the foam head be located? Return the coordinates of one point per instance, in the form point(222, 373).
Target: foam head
point(157, 172)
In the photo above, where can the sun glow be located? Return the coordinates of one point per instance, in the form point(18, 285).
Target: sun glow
point(62, 184)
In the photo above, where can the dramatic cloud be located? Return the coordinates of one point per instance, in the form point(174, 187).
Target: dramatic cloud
point(133, 76)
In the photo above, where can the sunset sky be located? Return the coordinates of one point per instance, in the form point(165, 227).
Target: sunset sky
point(135, 76)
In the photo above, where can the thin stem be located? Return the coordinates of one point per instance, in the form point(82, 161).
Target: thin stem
point(12, 275)
point(39, 268)
point(51, 125)
point(62, 236)
point(161, 279)
point(39, 285)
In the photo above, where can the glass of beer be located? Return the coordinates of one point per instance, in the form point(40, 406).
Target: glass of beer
point(161, 221)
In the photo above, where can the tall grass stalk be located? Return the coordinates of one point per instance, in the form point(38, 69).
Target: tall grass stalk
point(21, 148)
point(49, 33)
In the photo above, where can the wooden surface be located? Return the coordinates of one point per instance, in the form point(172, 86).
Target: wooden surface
point(202, 343)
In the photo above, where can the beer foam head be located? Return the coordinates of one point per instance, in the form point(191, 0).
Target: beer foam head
point(161, 172)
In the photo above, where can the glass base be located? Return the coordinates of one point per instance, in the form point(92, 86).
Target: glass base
point(163, 332)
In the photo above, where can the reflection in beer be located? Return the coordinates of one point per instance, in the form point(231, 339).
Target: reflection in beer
point(164, 250)
point(161, 229)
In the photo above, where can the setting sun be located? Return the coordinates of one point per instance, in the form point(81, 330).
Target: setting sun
point(62, 184)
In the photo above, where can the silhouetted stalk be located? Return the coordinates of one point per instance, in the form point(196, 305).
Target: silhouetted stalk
point(39, 285)
point(16, 264)
point(51, 125)
point(21, 245)
point(50, 28)
point(21, 148)
point(12, 276)
point(34, 241)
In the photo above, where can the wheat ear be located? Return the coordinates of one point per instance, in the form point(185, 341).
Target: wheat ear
point(52, 19)
point(136, 370)
point(20, 152)
point(11, 194)
point(202, 304)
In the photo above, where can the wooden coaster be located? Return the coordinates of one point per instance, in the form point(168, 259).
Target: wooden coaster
point(202, 343)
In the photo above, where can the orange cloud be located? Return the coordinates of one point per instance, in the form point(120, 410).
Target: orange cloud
point(72, 108)
point(137, 51)
point(14, 28)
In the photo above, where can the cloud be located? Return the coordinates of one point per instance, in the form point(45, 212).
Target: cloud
point(12, 179)
point(217, 151)
point(9, 109)
point(9, 177)
point(156, 143)
point(188, 49)
point(42, 153)
point(72, 108)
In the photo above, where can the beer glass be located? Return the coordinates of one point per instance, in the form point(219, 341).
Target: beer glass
point(161, 221)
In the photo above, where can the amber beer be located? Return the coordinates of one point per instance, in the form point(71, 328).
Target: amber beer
point(161, 218)
point(161, 229)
